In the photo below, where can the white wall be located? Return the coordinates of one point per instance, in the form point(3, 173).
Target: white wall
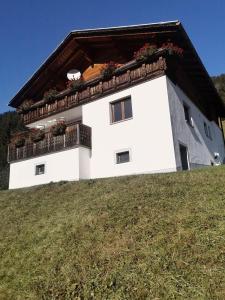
point(200, 148)
point(84, 162)
point(148, 135)
point(64, 165)
point(152, 136)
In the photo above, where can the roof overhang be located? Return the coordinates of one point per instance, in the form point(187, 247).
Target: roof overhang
point(83, 47)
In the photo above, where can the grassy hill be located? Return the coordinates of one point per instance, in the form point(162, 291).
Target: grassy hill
point(137, 237)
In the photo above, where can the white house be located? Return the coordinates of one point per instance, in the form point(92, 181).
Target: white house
point(153, 108)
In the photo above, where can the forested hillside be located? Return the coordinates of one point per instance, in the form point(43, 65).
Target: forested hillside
point(219, 82)
point(9, 122)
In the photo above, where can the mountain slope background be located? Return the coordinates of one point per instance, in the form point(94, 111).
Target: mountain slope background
point(10, 122)
point(219, 82)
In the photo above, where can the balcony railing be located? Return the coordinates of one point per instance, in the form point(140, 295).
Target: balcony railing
point(127, 75)
point(79, 134)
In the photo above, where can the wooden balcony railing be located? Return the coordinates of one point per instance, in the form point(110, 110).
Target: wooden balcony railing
point(126, 76)
point(79, 134)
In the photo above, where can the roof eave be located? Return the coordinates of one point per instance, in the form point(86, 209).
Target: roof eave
point(14, 102)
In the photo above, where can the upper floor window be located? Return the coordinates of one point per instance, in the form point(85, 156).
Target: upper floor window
point(207, 131)
point(121, 110)
point(187, 114)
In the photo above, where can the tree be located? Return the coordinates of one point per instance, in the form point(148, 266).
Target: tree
point(219, 82)
point(9, 123)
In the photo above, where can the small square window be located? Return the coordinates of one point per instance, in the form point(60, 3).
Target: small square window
point(40, 169)
point(121, 110)
point(122, 157)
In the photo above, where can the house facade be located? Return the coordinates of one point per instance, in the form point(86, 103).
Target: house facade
point(138, 100)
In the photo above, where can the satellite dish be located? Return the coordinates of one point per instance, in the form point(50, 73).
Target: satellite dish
point(73, 74)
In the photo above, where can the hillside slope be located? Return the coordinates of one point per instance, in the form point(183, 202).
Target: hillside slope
point(137, 237)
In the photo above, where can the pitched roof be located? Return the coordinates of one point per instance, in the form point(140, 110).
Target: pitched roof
point(82, 47)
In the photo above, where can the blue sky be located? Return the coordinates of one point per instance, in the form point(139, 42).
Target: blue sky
point(31, 30)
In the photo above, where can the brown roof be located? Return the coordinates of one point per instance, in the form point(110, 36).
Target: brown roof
point(82, 48)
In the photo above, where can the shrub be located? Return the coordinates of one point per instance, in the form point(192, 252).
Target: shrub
point(4, 178)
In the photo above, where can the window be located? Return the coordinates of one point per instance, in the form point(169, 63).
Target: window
point(121, 110)
point(40, 169)
point(187, 114)
point(122, 157)
point(207, 131)
point(184, 157)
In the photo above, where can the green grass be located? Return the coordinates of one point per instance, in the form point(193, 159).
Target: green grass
point(137, 237)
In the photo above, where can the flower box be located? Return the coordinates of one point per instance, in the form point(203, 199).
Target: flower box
point(145, 52)
point(37, 135)
point(58, 129)
point(20, 142)
point(108, 70)
point(50, 95)
point(76, 85)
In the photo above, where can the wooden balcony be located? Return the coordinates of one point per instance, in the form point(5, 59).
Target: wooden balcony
point(127, 75)
point(75, 135)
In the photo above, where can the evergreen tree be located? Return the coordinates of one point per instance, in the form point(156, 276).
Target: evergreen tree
point(219, 82)
point(9, 122)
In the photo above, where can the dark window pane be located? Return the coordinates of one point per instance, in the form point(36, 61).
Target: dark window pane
point(206, 129)
point(117, 112)
point(209, 132)
point(184, 157)
point(127, 108)
point(122, 157)
point(186, 114)
point(40, 169)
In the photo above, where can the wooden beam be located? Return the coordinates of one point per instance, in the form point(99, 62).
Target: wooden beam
point(86, 53)
point(125, 35)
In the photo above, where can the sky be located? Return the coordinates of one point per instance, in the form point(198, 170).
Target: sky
point(30, 30)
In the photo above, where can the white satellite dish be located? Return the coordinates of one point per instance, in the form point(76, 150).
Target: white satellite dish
point(73, 74)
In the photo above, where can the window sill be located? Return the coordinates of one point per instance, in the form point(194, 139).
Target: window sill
point(112, 123)
point(121, 163)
